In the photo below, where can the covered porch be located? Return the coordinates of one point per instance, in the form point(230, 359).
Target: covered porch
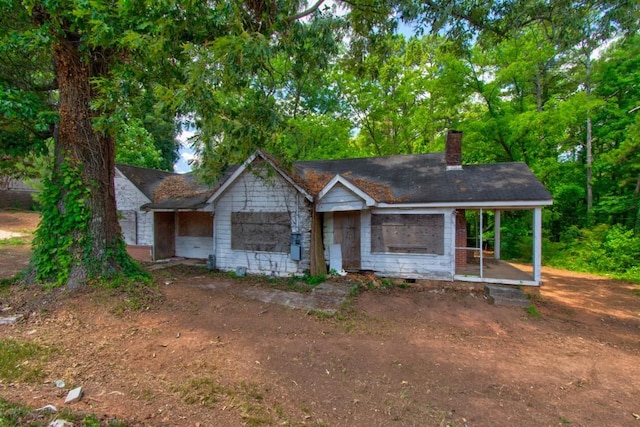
point(479, 248)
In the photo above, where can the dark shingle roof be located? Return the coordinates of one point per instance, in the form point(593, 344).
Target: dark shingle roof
point(414, 179)
point(193, 201)
point(424, 178)
point(145, 179)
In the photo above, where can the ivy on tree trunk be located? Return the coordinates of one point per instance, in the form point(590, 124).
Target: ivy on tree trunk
point(79, 236)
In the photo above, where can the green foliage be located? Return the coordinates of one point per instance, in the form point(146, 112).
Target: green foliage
point(21, 361)
point(135, 146)
point(27, 113)
point(66, 215)
point(612, 250)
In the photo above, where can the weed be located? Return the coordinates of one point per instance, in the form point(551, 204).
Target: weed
point(321, 315)
point(563, 420)
point(636, 292)
point(533, 311)
point(354, 291)
point(21, 361)
point(313, 280)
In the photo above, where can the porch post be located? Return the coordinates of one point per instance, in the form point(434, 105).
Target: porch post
point(537, 245)
point(481, 247)
point(496, 234)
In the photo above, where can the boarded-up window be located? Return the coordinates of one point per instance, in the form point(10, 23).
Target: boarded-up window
point(260, 231)
point(410, 234)
point(195, 224)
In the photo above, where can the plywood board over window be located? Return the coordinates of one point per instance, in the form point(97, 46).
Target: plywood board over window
point(195, 224)
point(260, 231)
point(411, 234)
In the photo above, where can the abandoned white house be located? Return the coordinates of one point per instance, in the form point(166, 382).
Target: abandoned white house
point(397, 216)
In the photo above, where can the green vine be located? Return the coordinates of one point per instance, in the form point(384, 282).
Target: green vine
point(65, 219)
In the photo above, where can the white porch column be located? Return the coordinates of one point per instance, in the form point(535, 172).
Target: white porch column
point(480, 246)
point(496, 234)
point(537, 245)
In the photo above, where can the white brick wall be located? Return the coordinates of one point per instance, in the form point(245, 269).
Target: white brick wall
point(128, 200)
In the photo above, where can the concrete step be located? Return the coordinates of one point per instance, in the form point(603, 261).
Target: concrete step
point(506, 295)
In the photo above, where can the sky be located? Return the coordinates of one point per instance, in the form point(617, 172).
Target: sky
point(185, 152)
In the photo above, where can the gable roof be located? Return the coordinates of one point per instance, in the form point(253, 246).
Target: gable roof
point(144, 179)
point(225, 183)
point(339, 179)
point(423, 179)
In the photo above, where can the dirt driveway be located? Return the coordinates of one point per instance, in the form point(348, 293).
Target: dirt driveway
point(419, 356)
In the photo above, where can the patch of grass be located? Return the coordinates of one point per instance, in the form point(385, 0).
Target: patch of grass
point(533, 311)
point(15, 241)
point(247, 398)
point(5, 284)
point(21, 361)
point(302, 284)
point(202, 391)
point(13, 414)
point(563, 420)
point(131, 295)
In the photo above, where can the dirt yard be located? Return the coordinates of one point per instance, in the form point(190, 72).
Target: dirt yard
point(432, 355)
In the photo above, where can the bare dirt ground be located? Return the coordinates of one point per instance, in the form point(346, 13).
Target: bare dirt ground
point(431, 355)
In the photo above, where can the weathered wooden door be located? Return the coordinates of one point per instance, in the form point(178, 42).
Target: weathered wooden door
point(164, 235)
point(346, 232)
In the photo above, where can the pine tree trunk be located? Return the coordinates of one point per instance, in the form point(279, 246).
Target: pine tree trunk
point(96, 246)
point(589, 142)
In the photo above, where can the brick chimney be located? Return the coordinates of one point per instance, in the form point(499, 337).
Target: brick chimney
point(453, 150)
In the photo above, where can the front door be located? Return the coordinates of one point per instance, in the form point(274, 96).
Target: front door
point(164, 235)
point(346, 232)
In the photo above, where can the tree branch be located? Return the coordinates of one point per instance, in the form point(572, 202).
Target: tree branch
point(306, 12)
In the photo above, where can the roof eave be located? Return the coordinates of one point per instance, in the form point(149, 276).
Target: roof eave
point(510, 204)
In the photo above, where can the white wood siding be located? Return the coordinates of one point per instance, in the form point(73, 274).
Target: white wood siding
point(251, 193)
point(420, 266)
point(340, 198)
point(129, 199)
